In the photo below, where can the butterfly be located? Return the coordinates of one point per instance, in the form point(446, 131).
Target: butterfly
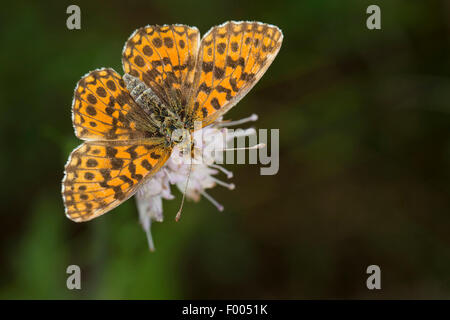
point(172, 80)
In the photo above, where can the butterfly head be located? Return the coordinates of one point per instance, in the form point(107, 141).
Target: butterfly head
point(179, 135)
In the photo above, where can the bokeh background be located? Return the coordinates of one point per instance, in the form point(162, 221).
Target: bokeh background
point(364, 119)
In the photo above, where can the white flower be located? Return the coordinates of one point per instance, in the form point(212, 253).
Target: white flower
point(149, 201)
point(176, 170)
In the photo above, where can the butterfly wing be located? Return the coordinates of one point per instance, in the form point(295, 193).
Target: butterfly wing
point(164, 57)
point(100, 107)
point(232, 58)
point(101, 175)
point(116, 158)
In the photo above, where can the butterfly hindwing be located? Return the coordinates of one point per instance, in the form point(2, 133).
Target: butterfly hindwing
point(101, 175)
point(100, 106)
point(163, 57)
point(232, 58)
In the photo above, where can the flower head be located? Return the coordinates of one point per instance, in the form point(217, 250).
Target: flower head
point(208, 144)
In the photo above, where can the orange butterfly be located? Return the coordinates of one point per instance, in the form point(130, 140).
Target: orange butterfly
point(172, 79)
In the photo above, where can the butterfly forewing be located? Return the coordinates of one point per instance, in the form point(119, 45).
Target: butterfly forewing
point(100, 106)
point(163, 57)
point(232, 58)
point(101, 175)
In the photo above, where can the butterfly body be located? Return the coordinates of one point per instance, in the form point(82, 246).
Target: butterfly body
point(154, 116)
point(172, 80)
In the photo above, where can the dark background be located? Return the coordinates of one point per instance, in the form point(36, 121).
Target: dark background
point(364, 177)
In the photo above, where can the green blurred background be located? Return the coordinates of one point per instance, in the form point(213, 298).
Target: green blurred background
point(364, 119)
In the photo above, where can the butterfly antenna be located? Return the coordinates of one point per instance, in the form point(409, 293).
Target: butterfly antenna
point(177, 217)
